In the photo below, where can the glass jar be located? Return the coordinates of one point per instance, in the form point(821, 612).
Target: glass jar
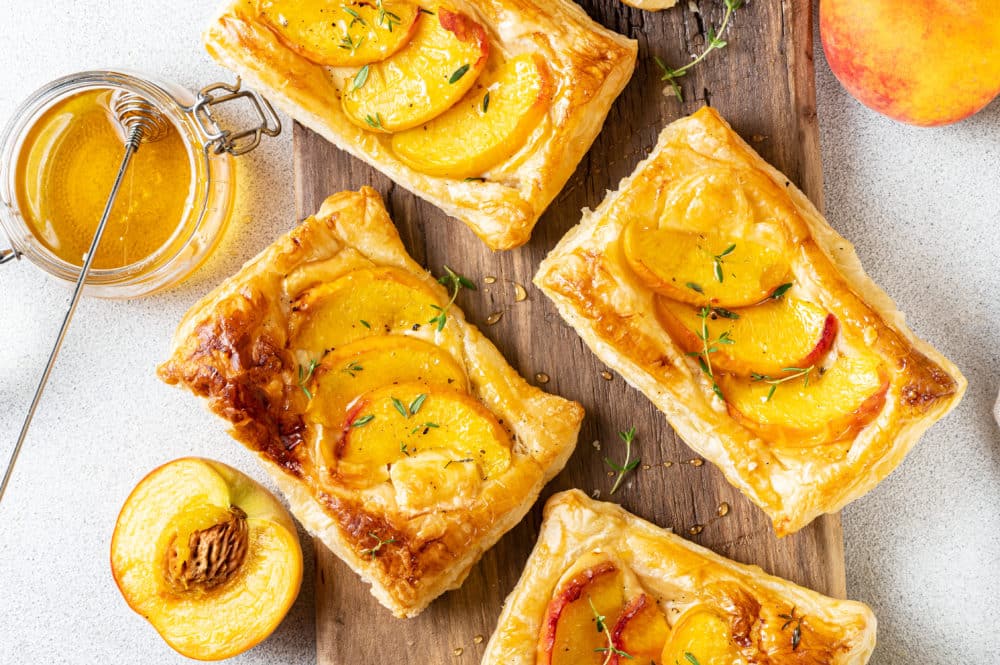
point(210, 150)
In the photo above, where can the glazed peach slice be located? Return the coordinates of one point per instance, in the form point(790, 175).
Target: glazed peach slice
point(570, 634)
point(209, 557)
point(373, 362)
point(405, 420)
point(703, 268)
point(641, 632)
point(360, 303)
point(341, 34)
point(809, 406)
point(766, 339)
point(486, 127)
point(704, 637)
point(423, 80)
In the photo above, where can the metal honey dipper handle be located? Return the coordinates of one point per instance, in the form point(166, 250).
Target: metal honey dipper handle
point(143, 123)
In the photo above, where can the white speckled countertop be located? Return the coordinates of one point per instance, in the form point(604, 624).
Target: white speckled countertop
point(922, 207)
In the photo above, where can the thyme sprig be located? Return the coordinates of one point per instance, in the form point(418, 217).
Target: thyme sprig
point(714, 42)
point(689, 657)
point(385, 18)
point(359, 78)
point(774, 382)
point(348, 44)
point(710, 346)
point(602, 627)
point(781, 290)
point(717, 260)
point(455, 283)
point(791, 618)
point(623, 469)
point(352, 368)
point(373, 552)
point(305, 374)
point(355, 18)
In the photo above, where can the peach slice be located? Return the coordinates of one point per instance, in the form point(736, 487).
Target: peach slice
point(373, 362)
point(767, 338)
point(407, 419)
point(341, 34)
point(361, 303)
point(641, 631)
point(801, 408)
point(209, 557)
point(704, 637)
point(569, 634)
point(703, 269)
point(435, 70)
point(486, 127)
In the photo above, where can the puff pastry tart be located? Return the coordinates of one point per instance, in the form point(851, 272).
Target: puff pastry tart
point(482, 107)
point(715, 287)
point(603, 587)
point(399, 434)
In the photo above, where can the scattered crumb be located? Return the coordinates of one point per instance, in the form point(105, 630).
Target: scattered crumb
point(596, 445)
point(596, 494)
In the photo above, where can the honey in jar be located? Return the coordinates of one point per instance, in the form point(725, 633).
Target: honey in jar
point(65, 171)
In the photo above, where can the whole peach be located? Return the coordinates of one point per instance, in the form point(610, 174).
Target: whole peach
point(923, 62)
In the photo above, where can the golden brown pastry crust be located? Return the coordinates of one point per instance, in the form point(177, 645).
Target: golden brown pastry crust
point(679, 575)
point(596, 292)
point(232, 348)
point(590, 65)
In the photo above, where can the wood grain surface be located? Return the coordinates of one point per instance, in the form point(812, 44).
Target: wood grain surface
point(763, 84)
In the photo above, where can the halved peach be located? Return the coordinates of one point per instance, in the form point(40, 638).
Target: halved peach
point(435, 70)
point(341, 34)
point(766, 338)
point(813, 407)
point(641, 631)
point(569, 634)
point(407, 419)
point(361, 303)
point(208, 556)
point(703, 268)
point(486, 127)
point(704, 635)
point(372, 362)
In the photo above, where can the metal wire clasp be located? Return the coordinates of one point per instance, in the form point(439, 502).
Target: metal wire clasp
point(234, 142)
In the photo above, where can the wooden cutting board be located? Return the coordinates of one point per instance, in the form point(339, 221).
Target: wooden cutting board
point(763, 84)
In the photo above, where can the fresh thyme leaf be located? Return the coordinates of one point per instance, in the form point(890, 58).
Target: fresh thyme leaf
point(374, 122)
point(348, 44)
point(791, 618)
point(373, 552)
point(796, 636)
point(363, 420)
point(365, 324)
point(417, 402)
point(713, 43)
point(781, 290)
point(695, 287)
point(474, 180)
point(400, 407)
point(629, 464)
point(725, 313)
point(305, 375)
point(459, 73)
point(690, 658)
point(486, 101)
point(717, 262)
point(425, 11)
point(464, 460)
point(352, 368)
point(360, 78)
point(403, 448)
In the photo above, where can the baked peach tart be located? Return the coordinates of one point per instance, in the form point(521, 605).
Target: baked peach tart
point(482, 107)
point(713, 285)
point(400, 436)
point(603, 587)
